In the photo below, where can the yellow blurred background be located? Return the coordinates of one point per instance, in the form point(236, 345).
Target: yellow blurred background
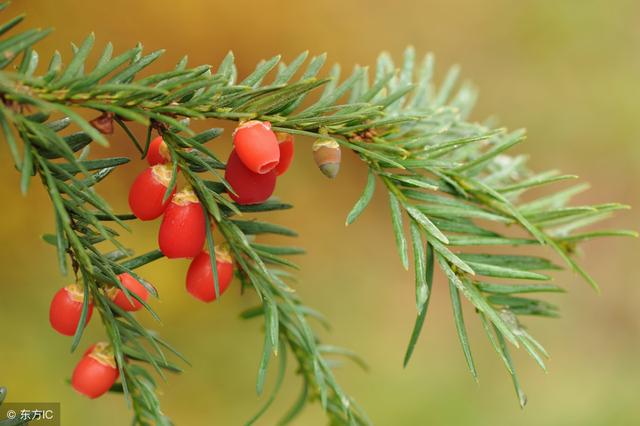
point(567, 70)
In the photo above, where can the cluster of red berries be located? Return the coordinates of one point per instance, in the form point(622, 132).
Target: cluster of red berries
point(96, 372)
point(258, 157)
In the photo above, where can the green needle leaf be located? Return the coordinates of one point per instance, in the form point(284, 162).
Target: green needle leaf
point(422, 314)
point(460, 328)
point(76, 63)
point(27, 168)
point(422, 289)
point(398, 230)
point(364, 199)
point(264, 364)
point(276, 388)
point(211, 247)
point(426, 223)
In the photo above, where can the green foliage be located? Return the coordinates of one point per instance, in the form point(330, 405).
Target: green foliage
point(446, 177)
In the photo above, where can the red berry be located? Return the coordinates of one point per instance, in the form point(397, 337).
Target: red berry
point(257, 146)
point(158, 152)
point(200, 275)
point(66, 309)
point(134, 286)
point(96, 372)
point(249, 187)
point(183, 228)
point(285, 141)
point(147, 192)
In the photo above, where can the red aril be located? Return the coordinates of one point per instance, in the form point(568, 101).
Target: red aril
point(249, 187)
point(158, 152)
point(147, 192)
point(257, 146)
point(135, 287)
point(285, 143)
point(96, 372)
point(66, 309)
point(182, 231)
point(200, 280)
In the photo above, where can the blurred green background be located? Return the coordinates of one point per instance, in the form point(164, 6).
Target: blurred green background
point(567, 70)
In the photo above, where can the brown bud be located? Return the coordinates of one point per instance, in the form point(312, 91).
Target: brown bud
point(327, 155)
point(103, 123)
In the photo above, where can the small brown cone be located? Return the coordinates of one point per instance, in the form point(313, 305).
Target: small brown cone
point(327, 155)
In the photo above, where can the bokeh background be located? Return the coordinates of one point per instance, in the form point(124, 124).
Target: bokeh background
point(567, 70)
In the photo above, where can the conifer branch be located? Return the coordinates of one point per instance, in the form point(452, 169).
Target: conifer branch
point(448, 178)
